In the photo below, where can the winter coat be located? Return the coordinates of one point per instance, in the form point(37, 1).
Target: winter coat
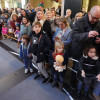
point(65, 38)
point(43, 45)
point(52, 60)
point(47, 28)
point(79, 36)
point(85, 63)
point(25, 29)
point(24, 51)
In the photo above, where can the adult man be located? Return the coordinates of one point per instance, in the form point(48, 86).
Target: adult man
point(86, 31)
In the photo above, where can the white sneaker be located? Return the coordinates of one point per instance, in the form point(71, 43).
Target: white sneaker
point(31, 70)
point(26, 71)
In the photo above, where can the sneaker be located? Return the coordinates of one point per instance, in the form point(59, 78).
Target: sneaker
point(54, 83)
point(37, 76)
point(26, 71)
point(46, 80)
point(31, 70)
point(61, 86)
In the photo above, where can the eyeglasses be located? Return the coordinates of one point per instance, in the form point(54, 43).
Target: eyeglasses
point(94, 18)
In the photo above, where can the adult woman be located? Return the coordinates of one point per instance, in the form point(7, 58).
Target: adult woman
point(23, 14)
point(45, 23)
point(77, 17)
point(55, 25)
point(13, 21)
point(25, 27)
point(63, 32)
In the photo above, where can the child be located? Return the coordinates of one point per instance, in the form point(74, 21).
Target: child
point(41, 45)
point(11, 31)
point(89, 66)
point(17, 32)
point(25, 53)
point(59, 50)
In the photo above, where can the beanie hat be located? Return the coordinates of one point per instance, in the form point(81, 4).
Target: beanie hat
point(41, 4)
point(17, 24)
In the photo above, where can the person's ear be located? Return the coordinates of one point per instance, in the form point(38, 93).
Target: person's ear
point(89, 13)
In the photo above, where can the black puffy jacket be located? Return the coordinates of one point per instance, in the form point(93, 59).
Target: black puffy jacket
point(94, 70)
point(42, 47)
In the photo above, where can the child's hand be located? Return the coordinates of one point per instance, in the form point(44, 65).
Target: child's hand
point(54, 63)
point(30, 55)
point(41, 53)
point(98, 77)
point(83, 73)
point(58, 64)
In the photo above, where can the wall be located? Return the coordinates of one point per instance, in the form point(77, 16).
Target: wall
point(47, 3)
point(98, 3)
point(85, 4)
point(2, 4)
point(74, 5)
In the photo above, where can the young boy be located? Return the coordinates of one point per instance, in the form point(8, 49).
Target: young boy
point(25, 53)
point(40, 44)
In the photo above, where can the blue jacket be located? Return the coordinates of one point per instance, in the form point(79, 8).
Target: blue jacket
point(24, 52)
point(65, 37)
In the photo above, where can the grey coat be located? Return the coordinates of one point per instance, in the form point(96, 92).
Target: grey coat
point(25, 29)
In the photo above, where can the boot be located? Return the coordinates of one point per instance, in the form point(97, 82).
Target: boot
point(61, 86)
point(78, 94)
point(86, 96)
point(54, 83)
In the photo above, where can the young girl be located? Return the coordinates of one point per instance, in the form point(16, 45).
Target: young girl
point(25, 53)
point(40, 44)
point(89, 66)
point(59, 50)
point(17, 32)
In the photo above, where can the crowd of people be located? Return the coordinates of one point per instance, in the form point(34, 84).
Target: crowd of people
point(45, 36)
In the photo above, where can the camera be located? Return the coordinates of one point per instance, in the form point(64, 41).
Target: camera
point(98, 36)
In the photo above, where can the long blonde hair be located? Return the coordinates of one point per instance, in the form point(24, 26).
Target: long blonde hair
point(57, 45)
point(44, 17)
point(13, 14)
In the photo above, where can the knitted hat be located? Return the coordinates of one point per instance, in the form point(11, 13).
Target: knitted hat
point(17, 24)
point(41, 4)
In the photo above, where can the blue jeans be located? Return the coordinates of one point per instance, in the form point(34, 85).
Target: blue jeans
point(80, 84)
point(27, 63)
point(58, 75)
point(97, 89)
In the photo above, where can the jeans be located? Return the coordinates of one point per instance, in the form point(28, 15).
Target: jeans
point(80, 84)
point(58, 75)
point(97, 88)
point(27, 63)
